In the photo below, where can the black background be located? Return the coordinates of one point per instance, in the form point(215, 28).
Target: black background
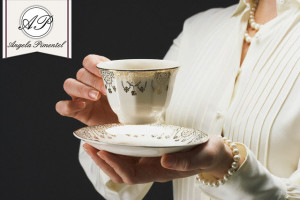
point(38, 153)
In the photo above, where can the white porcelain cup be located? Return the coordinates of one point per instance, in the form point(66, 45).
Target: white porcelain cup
point(139, 90)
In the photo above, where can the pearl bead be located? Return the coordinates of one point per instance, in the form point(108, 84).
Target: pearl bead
point(234, 165)
point(248, 39)
point(231, 171)
point(226, 176)
point(221, 181)
point(215, 184)
point(228, 141)
point(233, 146)
point(251, 20)
point(253, 9)
point(236, 158)
point(235, 151)
point(257, 26)
point(251, 13)
point(252, 24)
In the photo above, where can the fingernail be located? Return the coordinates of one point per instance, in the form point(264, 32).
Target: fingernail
point(94, 94)
point(169, 161)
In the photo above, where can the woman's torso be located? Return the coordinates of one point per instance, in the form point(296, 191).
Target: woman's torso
point(257, 104)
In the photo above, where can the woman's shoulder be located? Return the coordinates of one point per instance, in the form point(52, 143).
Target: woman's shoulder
point(210, 17)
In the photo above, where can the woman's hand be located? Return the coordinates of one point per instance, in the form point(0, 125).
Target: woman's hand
point(89, 103)
point(213, 157)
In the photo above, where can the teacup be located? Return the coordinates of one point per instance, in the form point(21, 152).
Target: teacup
point(138, 90)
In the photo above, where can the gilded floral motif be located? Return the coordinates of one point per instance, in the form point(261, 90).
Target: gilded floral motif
point(133, 81)
point(160, 82)
point(127, 86)
point(108, 78)
point(179, 135)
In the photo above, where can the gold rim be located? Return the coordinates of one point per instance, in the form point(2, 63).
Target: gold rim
point(140, 70)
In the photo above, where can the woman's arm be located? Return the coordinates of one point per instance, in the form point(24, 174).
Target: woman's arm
point(108, 188)
point(104, 185)
point(254, 181)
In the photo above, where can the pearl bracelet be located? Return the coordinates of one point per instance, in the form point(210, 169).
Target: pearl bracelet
point(234, 166)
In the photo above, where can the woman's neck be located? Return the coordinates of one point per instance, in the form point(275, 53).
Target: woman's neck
point(265, 11)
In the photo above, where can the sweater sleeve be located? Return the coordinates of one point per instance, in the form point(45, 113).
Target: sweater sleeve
point(254, 181)
point(103, 185)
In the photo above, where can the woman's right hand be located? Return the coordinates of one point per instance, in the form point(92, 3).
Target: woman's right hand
point(89, 103)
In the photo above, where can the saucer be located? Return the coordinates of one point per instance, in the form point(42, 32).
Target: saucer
point(149, 140)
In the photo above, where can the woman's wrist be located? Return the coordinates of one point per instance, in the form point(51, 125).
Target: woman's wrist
point(225, 164)
point(229, 164)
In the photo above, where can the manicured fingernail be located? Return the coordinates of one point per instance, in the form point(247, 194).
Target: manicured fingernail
point(169, 161)
point(80, 104)
point(94, 94)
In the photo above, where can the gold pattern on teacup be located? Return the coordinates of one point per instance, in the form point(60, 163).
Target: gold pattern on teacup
point(133, 81)
point(134, 76)
point(127, 86)
point(179, 134)
point(160, 82)
point(108, 78)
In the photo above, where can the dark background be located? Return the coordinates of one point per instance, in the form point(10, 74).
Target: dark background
point(38, 153)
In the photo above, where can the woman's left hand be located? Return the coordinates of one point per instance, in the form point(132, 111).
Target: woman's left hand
point(213, 157)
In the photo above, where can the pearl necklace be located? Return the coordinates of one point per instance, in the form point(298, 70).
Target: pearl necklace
point(252, 22)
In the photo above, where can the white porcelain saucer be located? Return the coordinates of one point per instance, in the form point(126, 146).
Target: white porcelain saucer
point(150, 140)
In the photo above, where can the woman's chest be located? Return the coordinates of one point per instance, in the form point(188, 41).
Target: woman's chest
point(207, 96)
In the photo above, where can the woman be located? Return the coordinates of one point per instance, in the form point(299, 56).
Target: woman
point(238, 79)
